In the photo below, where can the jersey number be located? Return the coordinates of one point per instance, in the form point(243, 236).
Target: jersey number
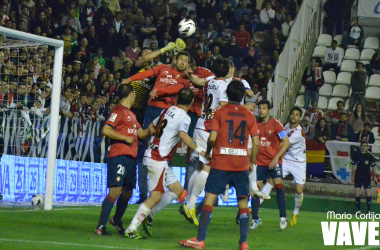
point(239, 132)
point(161, 129)
point(208, 104)
point(121, 170)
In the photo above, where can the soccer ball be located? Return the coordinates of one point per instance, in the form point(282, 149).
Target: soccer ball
point(37, 200)
point(186, 27)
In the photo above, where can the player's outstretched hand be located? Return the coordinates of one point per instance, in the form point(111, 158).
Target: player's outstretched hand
point(273, 164)
point(153, 93)
point(129, 139)
point(126, 81)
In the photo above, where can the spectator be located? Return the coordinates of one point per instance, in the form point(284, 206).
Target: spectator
point(167, 27)
point(227, 13)
point(203, 9)
point(335, 11)
point(334, 116)
point(242, 10)
point(125, 71)
point(114, 6)
point(356, 34)
point(333, 58)
point(211, 34)
point(287, 25)
point(365, 134)
point(118, 23)
point(134, 13)
point(87, 14)
point(275, 57)
point(358, 82)
point(358, 118)
point(118, 62)
point(313, 80)
point(267, 16)
point(314, 114)
point(133, 51)
point(215, 54)
point(251, 53)
point(76, 23)
point(65, 105)
point(343, 131)
point(123, 40)
point(234, 51)
point(291, 6)
point(322, 131)
point(151, 39)
point(146, 29)
point(246, 22)
point(95, 66)
point(103, 11)
point(256, 98)
point(242, 37)
point(203, 44)
point(160, 11)
point(281, 15)
point(207, 62)
point(189, 5)
point(375, 63)
point(308, 130)
point(251, 78)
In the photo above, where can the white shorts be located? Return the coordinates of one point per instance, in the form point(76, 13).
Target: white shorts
point(200, 138)
point(160, 175)
point(297, 169)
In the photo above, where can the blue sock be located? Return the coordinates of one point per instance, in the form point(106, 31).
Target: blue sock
point(106, 210)
point(199, 208)
point(121, 206)
point(255, 204)
point(204, 220)
point(244, 224)
point(280, 198)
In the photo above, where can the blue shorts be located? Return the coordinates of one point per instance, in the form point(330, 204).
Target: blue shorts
point(263, 172)
point(218, 179)
point(363, 180)
point(121, 172)
point(194, 119)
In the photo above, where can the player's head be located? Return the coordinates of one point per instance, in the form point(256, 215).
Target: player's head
point(295, 115)
point(264, 108)
point(126, 91)
point(182, 61)
point(221, 68)
point(364, 146)
point(185, 97)
point(235, 91)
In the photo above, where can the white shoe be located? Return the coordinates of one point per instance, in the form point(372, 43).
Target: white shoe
point(283, 223)
point(226, 195)
point(261, 195)
point(255, 224)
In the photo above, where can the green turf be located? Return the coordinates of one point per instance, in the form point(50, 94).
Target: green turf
point(75, 226)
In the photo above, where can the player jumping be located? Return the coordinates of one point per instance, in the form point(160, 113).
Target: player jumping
point(171, 126)
point(231, 127)
point(271, 133)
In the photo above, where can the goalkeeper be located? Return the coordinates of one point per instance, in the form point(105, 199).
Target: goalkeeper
point(362, 163)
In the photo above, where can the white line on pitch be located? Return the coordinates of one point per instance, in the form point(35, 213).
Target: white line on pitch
point(75, 244)
point(364, 248)
point(10, 210)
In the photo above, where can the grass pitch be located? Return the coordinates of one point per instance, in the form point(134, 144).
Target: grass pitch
point(73, 227)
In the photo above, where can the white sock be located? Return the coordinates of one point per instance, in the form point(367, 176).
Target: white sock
point(190, 186)
point(252, 181)
point(140, 216)
point(266, 190)
point(199, 184)
point(166, 199)
point(298, 199)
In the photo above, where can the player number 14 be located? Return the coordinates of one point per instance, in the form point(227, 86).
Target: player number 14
point(239, 133)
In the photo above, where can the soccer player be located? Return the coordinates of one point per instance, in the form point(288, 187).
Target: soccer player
point(362, 163)
point(123, 129)
point(294, 161)
point(171, 126)
point(231, 127)
point(273, 144)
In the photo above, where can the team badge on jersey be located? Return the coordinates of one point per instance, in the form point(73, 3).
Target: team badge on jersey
point(178, 76)
point(118, 179)
point(113, 117)
point(270, 132)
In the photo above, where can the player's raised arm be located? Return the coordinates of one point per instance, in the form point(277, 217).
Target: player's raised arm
point(142, 75)
point(109, 132)
point(146, 57)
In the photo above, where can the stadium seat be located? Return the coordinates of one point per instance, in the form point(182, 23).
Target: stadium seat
point(324, 40)
point(338, 38)
point(332, 103)
point(319, 51)
point(303, 113)
point(342, 51)
point(374, 80)
point(367, 54)
point(300, 102)
point(347, 105)
point(344, 78)
point(371, 43)
point(302, 90)
point(330, 77)
point(352, 54)
point(365, 62)
point(376, 134)
point(325, 90)
point(348, 66)
point(340, 91)
point(372, 93)
point(322, 102)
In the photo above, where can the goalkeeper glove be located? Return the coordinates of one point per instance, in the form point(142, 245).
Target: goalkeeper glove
point(169, 47)
point(180, 45)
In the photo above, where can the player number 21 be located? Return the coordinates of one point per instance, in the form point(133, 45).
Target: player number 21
point(238, 133)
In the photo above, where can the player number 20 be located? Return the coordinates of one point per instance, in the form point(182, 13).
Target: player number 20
point(239, 133)
point(120, 170)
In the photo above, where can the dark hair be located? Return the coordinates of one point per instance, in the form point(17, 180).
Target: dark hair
point(185, 96)
point(356, 112)
point(367, 124)
point(295, 108)
point(221, 67)
point(265, 102)
point(340, 101)
point(183, 53)
point(319, 122)
point(334, 41)
point(342, 114)
point(235, 91)
point(124, 90)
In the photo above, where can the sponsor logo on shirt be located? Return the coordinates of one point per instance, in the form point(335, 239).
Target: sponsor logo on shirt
point(167, 80)
point(113, 117)
point(264, 142)
point(132, 131)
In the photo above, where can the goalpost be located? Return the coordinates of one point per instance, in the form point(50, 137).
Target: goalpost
point(55, 102)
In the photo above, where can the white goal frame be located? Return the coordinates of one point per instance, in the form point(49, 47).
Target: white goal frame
point(55, 102)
